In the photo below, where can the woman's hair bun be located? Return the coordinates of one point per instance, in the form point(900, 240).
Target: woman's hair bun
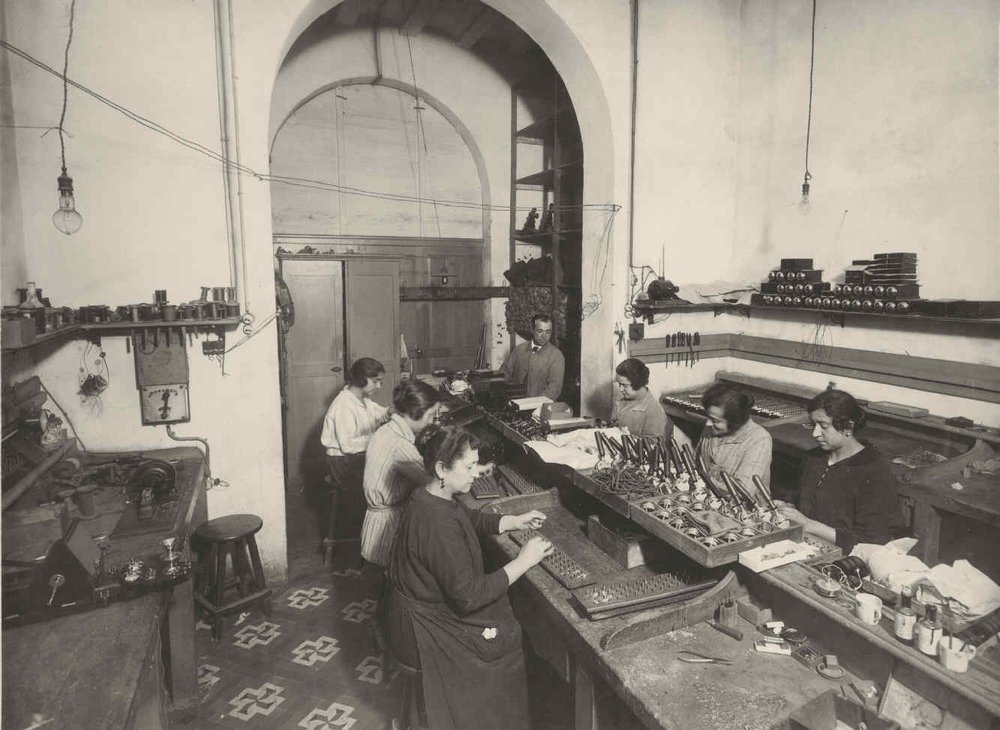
point(425, 437)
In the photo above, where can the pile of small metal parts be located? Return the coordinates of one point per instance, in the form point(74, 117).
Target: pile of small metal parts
point(558, 563)
point(671, 484)
point(521, 422)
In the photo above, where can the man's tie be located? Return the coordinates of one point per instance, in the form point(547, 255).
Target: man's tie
point(535, 348)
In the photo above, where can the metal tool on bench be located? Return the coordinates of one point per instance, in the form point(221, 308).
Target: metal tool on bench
point(692, 657)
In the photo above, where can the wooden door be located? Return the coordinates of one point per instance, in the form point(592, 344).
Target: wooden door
point(314, 363)
point(372, 315)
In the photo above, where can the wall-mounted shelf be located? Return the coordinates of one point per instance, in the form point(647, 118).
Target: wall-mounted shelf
point(842, 318)
point(122, 328)
point(451, 293)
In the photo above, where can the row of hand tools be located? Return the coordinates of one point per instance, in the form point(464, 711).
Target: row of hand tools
point(687, 340)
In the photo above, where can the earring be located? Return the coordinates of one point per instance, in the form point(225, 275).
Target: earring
point(441, 483)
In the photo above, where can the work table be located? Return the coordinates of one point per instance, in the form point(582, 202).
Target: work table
point(108, 667)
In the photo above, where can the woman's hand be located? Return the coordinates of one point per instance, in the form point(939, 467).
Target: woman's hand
point(535, 551)
point(387, 416)
point(532, 520)
point(790, 513)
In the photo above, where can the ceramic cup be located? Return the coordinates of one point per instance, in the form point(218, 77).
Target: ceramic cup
point(955, 654)
point(869, 608)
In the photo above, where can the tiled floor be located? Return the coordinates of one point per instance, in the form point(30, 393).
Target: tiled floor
point(313, 663)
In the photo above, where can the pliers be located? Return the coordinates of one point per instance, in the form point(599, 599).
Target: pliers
point(691, 657)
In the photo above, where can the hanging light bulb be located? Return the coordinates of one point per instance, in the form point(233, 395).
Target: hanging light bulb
point(804, 204)
point(67, 219)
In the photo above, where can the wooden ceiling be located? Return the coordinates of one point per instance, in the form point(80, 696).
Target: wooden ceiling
point(468, 23)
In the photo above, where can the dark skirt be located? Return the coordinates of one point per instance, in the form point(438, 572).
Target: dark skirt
point(469, 680)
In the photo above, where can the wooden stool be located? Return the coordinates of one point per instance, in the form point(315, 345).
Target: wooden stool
point(231, 536)
point(413, 712)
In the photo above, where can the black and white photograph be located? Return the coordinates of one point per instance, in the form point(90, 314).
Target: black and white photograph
point(500, 364)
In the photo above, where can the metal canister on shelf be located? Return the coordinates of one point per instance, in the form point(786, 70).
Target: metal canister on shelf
point(230, 293)
point(866, 305)
point(184, 311)
point(155, 312)
point(855, 305)
point(878, 306)
point(160, 296)
point(204, 294)
point(135, 313)
point(168, 312)
point(198, 310)
point(232, 309)
point(145, 312)
point(218, 293)
point(212, 310)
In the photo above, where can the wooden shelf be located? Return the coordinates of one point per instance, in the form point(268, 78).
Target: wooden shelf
point(109, 328)
point(540, 239)
point(843, 317)
point(536, 181)
point(451, 293)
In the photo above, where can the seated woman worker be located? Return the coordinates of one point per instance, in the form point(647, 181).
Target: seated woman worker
point(445, 614)
point(847, 494)
point(638, 409)
point(733, 443)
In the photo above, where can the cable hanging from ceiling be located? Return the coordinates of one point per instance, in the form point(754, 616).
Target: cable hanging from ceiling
point(280, 179)
point(67, 219)
point(804, 204)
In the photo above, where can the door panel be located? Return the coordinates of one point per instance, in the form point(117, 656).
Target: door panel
point(314, 347)
point(372, 316)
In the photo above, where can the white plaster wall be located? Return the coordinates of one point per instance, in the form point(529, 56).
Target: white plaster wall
point(153, 219)
point(903, 148)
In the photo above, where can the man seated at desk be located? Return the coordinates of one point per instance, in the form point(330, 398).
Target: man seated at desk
point(536, 364)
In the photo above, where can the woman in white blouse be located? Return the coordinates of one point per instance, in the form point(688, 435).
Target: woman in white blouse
point(347, 428)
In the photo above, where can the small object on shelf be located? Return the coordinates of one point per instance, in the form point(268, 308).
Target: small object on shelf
point(545, 225)
point(530, 222)
point(662, 290)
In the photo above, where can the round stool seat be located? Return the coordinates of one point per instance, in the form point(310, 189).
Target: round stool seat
point(220, 544)
point(230, 527)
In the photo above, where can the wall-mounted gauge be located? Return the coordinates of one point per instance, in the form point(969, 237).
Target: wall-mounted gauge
point(164, 403)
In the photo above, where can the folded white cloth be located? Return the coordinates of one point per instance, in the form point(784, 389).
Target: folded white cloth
point(890, 565)
point(569, 455)
point(966, 584)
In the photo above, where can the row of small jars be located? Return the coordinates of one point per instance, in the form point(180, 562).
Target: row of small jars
point(840, 290)
point(844, 305)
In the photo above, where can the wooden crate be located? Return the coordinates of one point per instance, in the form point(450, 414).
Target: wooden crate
point(628, 550)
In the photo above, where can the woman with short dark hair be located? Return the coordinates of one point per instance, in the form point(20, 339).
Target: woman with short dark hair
point(444, 613)
point(393, 468)
point(731, 441)
point(847, 493)
point(637, 409)
point(349, 423)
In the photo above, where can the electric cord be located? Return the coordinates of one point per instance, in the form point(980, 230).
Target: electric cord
point(65, 415)
point(281, 179)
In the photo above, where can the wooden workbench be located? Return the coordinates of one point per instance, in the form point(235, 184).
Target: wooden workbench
point(758, 690)
point(110, 667)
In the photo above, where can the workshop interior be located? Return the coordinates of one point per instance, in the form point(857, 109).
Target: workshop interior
point(466, 364)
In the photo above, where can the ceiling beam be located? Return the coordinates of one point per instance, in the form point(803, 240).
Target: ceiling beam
point(418, 16)
point(478, 28)
point(349, 12)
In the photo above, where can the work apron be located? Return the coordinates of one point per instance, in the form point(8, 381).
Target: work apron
point(469, 680)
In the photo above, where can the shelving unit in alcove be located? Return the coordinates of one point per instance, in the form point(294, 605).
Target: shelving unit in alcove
point(547, 172)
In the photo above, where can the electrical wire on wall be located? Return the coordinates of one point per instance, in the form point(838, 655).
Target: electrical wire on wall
point(93, 382)
point(281, 179)
point(598, 272)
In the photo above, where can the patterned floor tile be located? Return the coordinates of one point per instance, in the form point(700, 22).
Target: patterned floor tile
point(312, 664)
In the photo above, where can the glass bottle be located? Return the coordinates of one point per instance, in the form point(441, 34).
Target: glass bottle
point(929, 631)
point(906, 617)
point(31, 300)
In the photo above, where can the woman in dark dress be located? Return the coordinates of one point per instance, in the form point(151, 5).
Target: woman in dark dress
point(847, 494)
point(445, 614)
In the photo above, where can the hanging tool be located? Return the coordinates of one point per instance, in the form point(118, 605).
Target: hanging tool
point(692, 657)
point(690, 350)
point(697, 344)
point(673, 345)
